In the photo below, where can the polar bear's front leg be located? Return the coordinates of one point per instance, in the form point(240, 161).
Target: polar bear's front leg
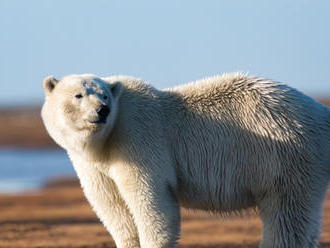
point(153, 203)
point(106, 201)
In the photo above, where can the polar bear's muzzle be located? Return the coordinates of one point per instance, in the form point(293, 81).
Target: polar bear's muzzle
point(102, 114)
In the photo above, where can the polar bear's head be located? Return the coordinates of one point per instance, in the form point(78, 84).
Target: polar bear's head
point(80, 109)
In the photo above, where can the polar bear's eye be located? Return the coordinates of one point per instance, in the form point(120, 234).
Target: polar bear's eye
point(105, 97)
point(78, 96)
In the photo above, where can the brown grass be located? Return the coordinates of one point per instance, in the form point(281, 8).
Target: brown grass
point(60, 217)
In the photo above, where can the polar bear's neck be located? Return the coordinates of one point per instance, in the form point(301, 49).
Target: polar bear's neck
point(92, 148)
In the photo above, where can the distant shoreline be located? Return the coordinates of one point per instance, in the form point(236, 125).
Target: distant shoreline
point(22, 127)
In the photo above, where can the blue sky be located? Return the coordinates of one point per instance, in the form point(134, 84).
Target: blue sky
point(164, 42)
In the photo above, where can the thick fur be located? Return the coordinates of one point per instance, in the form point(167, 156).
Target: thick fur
point(222, 144)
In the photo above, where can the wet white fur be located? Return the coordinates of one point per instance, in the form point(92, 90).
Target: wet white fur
point(222, 144)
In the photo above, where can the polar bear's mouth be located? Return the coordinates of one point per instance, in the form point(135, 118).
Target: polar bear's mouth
point(101, 121)
point(98, 120)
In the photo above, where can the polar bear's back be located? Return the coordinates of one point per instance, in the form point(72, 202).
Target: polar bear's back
point(244, 131)
point(268, 108)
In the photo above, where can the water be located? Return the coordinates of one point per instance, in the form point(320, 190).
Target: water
point(22, 170)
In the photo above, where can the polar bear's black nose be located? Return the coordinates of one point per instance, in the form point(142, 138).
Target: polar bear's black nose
point(103, 112)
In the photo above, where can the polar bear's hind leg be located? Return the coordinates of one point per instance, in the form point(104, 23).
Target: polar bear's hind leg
point(292, 219)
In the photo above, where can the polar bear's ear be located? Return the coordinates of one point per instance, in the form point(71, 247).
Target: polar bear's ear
point(49, 84)
point(116, 89)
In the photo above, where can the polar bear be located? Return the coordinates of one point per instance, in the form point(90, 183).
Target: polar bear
point(222, 144)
